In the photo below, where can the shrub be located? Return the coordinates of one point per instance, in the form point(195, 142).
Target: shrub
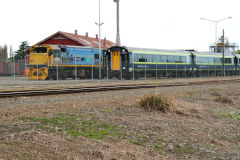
point(157, 103)
point(224, 100)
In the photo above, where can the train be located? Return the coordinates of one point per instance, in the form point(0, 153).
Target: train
point(62, 61)
point(133, 63)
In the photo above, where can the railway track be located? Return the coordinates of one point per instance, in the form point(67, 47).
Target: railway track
point(106, 88)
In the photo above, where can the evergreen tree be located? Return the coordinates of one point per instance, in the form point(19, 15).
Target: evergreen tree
point(21, 52)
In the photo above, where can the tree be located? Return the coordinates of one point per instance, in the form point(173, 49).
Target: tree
point(21, 52)
point(3, 53)
point(238, 51)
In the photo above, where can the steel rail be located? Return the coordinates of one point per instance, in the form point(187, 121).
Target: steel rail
point(103, 88)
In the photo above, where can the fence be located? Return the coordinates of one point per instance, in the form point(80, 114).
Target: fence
point(13, 68)
point(144, 71)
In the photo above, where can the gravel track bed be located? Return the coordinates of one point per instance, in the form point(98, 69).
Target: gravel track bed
point(28, 129)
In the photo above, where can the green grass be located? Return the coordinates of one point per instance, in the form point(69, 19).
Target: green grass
point(238, 148)
point(160, 139)
point(187, 149)
point(160, 147)
point(74, 125)
point(107, 110)
point(213, 89)
point(231, 115)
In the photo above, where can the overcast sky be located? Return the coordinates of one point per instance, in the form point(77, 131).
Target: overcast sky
point(162, 24)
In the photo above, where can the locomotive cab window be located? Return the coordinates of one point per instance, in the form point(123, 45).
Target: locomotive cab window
point(41, 50)
point(63, 49)
point(56, 53)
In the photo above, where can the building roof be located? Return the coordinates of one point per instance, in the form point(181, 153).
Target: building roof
point(81, 40)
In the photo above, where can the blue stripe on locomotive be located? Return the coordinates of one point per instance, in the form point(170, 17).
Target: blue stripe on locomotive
point(79, 56)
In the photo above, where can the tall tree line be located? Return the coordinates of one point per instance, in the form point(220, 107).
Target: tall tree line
point(3, 53)
point(19, 54)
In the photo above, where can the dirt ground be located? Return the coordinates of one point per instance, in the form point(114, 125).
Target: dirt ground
point(21, 83)
point(112, 126)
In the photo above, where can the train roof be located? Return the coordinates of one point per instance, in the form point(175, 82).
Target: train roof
point(54, 46)
point(212, 54)
point(157, 50)
point(71, 46)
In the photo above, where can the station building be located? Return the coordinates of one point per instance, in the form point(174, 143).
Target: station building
point(74, 39)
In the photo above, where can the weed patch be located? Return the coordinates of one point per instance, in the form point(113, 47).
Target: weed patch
point(224, 100)
point(160, 147)
point(157, 103)
point(231, 115)
point(74, 125)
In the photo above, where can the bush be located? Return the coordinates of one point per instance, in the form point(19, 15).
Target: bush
point(157, 103)
point(224, 100)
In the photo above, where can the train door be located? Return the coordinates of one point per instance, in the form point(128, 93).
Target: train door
point(193, 64)
point(115, 59)
point(236, 62)
point(125, 65)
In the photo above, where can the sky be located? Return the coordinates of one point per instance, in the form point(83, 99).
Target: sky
point(161, 24)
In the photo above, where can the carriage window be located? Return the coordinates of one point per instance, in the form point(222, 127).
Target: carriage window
point(148, 58)
point(142, 60)
point(156, 58)
point(202, 60)
point(169, 59)
point(217, 60)
point(210, 60)
point(176, 59)
point(183, 59)
point(137, 57)
point(163, 58)
point(228, 60)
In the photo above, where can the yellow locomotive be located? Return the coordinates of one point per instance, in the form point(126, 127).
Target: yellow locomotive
point(42, 57)
point(61, 62)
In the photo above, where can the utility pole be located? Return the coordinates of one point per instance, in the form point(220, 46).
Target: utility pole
point(118, 42)
point(216, 22)
point(223, 60)
point(99, 42)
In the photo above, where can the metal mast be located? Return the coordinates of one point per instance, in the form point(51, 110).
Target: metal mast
point(223, 58)
point(99, 40)
point(118, 42)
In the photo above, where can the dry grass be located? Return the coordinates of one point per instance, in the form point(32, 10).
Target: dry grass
point(225, 100)
point(111, 125)
point(157, 102)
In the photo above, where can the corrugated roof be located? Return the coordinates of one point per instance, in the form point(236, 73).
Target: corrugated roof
point(83, 40)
